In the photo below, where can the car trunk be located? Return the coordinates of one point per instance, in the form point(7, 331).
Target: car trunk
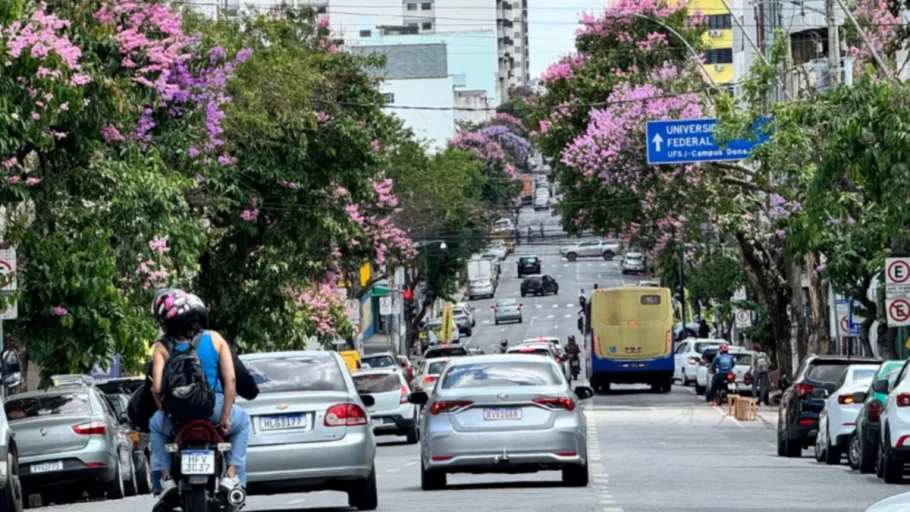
point(50, 434)
point(293, 417)
point(502, 408)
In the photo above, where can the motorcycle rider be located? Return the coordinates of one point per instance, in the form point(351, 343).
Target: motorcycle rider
point(503, 346)
point(573, 351)
point(723, 365)
point(182, 317)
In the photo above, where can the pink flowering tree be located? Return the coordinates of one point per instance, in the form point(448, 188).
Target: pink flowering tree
point(502, 185)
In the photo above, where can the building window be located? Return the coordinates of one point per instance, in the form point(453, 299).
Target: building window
point(412, 7)
point(426, 6)
point(366, 33)
point(719, 56)
point(388, 97)
point(427, 25)
point(720, 22)
point(321, 9)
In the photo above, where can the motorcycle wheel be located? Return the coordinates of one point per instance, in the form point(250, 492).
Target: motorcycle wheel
point(196, 500)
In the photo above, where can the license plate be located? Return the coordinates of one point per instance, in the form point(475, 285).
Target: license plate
point(46, 467)
point(197, 462)
point(375, 421)
point(501, 414)
point(283, 422)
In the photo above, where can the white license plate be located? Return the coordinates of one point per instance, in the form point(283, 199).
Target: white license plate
point(197, 462)
point(375, 421)
point(46, 467)
point(501, 414)
point(283, 422)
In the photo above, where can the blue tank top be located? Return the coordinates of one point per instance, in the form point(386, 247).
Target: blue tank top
point(208, 357)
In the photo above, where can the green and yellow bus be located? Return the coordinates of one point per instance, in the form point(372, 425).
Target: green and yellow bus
point(631, 338)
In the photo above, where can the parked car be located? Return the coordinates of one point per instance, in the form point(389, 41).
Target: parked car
point(498, 249)
point(703, 373)
point(462, 322)
point(507, 310)
point(894, 434)
point(539, 285)
point(528, 265)
point(590, 248)
point(542, 202)
point(391, 414)
point(380, 360)
point(863, 444)
point(837, 421)
point(11, 497)
point(503, 224)
point(138, 443)
point(310, 428)
point(480, 288)
point(69, 441)
point(633, 263)
point(688, 356)
point(467, 309)
point(804, 398)
point(489, 410)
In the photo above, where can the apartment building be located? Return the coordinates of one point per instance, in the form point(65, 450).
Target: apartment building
point(718, 38)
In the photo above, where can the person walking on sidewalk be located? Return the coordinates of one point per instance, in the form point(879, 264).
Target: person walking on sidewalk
point(761, 368)
point(541, 230)
point(529, 234)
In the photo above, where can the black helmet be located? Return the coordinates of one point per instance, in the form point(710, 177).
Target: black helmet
point(504, 342)
point(176, 310)
point(571, 338)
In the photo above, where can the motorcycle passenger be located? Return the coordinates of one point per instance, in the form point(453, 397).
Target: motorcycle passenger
point(723, 365)
point(183, 317)
point(503, 346)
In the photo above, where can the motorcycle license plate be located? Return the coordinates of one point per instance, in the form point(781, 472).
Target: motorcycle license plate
point(197, 462)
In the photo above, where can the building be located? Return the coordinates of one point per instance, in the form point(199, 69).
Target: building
point(719, 39)
point(505, 20)
point(417, 76)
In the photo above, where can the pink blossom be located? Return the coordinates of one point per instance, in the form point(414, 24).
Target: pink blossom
point(64, 106)
point(36, 116)
point(59, 311)
point(252, 213)
point(32, 181)
point(375, 145)
point(110, 133)
point(322, 117)
point(159, 244)
point(8, 164)
point(323, 22)
point(333, 48)
point(545, 125)
point(13, 179)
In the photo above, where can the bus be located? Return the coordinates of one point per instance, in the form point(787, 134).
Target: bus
point(630, 338)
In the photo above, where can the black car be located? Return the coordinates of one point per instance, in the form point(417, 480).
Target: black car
point(528, 265)
point(539, 285)
point(804, 398)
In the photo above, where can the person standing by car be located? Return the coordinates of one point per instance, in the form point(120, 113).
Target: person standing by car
point(703, 330)
point(761, 368)
point(722, 365)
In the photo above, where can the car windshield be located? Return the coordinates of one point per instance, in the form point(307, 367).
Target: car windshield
point(506, 302)
point(529, 261)
point(479, 282)
point(701, 346)
point(278, 374)
point(436, 367)
point(742, 359)
point(47, 405)
point(826, 371)
point(376, 383)
point(504, 223)
point(383, 361)
point(445, 352)
point(481, 375)
point(864, 374)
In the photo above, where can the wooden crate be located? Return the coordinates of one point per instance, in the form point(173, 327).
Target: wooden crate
point(746, 409)
point(731, 404)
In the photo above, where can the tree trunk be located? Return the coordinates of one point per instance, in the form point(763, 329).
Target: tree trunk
point(819, 339)
point(887, 342)
point(773, 292)
point(797, 312)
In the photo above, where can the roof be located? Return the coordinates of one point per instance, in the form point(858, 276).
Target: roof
point(498, 358)
point(378, 354)
point(286, 354)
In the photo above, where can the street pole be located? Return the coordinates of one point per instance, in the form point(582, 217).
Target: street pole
point(394, 323)
point(682, 286)
point(834, 60)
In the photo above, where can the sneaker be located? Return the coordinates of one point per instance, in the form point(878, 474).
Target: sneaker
point(167, 485)
point(229, 482)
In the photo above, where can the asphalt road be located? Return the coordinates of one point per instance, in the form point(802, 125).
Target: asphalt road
point(649, 452)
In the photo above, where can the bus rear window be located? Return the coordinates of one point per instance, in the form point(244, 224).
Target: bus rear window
point(650, 300)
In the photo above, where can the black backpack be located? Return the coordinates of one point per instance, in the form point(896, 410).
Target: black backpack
point(185, 392)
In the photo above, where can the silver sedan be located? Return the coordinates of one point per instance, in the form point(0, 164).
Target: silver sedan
point(507, 310)
point(502, 414)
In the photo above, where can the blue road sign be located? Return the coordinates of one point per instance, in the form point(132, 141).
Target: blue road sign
point(687, 141)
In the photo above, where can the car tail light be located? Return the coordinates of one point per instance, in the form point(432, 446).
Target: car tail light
point(345, 415)
point(747, 380)
point(92, 428)
point(404, 395)
point(731, 377)
point(875, 410)
point(429, 379)
point(527, 350)
point(448, 406)
point(803, 389)
point(903, 400)
point(559, 402)
point(693, 360)
point(134, 437)
point(845, 399)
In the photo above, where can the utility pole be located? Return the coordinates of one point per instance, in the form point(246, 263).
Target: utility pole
point(682, 286)
point(834, 60)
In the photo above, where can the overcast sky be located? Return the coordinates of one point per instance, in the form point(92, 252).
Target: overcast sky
point(552, 28)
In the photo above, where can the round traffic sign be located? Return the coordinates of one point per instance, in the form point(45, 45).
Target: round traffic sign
point(899, 310)
point(6, 273)
point(898, 271)
point(743, 316)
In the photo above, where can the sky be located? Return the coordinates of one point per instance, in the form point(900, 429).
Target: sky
point(551, 30)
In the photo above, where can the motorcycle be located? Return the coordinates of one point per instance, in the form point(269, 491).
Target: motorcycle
point(726, 387)
point(575, 367)
point(198, 466)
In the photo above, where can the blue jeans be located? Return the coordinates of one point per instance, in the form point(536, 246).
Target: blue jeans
point(162, 431)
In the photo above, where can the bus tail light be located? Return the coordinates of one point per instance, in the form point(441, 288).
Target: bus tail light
point(670, 341)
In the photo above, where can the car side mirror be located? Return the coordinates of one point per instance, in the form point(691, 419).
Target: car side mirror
point(123, 418)
point(584, 392)
point(10, 368)
point(418, 398)
point(881, 386)
point(859, 397)
point(367, 399)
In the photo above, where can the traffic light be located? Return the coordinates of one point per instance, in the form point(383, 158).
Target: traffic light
point(408, 295)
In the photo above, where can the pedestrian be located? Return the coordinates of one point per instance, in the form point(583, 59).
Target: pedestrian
point(541, 230)
point(703, 330)
point(595, 286)
point(761, 368)
point(529, 234)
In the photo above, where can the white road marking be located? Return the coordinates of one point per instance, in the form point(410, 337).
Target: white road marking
point(598, 475)
point(411, 463)
point(538, 305)
point(549, 317)
point(555, 305)
point(568, 316)
point(391, 470)
point(485, 322)
point(723, 413)
point(570, 305)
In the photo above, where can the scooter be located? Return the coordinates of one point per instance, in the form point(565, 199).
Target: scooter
point(726, 386)
point(198, 467)
point(575, 367)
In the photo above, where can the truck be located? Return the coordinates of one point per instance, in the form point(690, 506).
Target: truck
point(11, 498)
point(527, 190)
point(481, 269)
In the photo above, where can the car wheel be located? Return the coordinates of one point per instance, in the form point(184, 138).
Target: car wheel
point(685, 378)
point(571, 256)
point(699, 390)
point(781, 447)
point(144, 476)
point(892, 470)
point(365, 496)
point(832, 452)
point(792, 448)
point(556, 291)
point(520, 320)
point(11, 496)
point(431, 480)
point(115, 490)
point(130, 488)
point(523, 294)
point(854, 451)
point(575, 476)
point(413, 433)
point(496, 322)
point(867, 456)
point(820, 452)
point(608, 255)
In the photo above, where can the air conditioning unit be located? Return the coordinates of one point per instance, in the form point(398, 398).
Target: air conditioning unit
point(715, 33)
point(718, 67)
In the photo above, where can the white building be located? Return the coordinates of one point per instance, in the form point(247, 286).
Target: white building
point(507, 19)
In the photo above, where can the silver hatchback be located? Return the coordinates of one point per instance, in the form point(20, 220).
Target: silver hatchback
point(309, 430)
point(69, 441)
point(507, 310)
point(502, 414)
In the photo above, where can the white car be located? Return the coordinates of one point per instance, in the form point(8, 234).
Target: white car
point(499, 250)
point(837, 421)
point(542, 203)
point(467, 309)
point(687, 356)
point(896, 503)
point(743, 363)
point(633, 263)
point(894, 444)
point(503, 224)
point(590, 248)
point(391, 414)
